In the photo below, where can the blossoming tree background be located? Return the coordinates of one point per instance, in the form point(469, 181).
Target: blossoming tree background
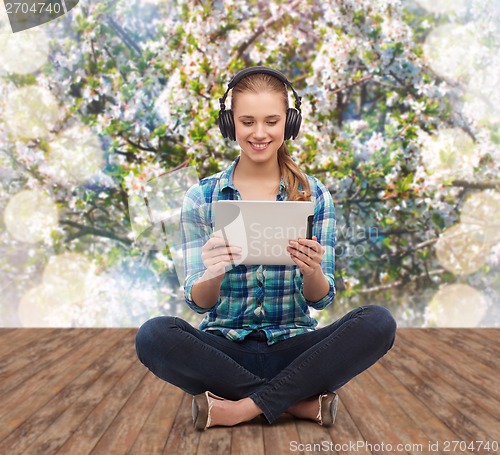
point(401, 122)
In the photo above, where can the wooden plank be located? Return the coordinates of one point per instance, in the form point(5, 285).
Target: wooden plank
point(214, 440)
point(57, 420)
point(183, 437)
point(439, 383)
point(247, 438)
point(120, 436)
point(427, 423)
point(474, 346)
point(484, 333)
point(6, 332)
point(21, 337)
point(370, 416)
point(278, 436)
point(36, 356)
point(314, 437)
point(11, 381)
point(421, 382)
point(83, 440)
point(478, 347)
point(395, 417)
point(345, 431)
point(467, 367)
point(157, 427)
point(24, 400)
point(451, 388)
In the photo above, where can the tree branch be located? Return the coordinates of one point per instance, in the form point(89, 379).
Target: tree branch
point(268, 23)
point(353, 84)
point(85, 230)
point(400, 282)
point(123, 35)
point(476, 185)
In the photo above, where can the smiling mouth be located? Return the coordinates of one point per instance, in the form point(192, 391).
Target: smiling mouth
point(259, 145)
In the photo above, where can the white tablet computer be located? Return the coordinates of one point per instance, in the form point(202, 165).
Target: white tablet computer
point(263, 228)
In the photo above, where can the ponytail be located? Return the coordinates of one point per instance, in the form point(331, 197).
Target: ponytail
point(293, 176)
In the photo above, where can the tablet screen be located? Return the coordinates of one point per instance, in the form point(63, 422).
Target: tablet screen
point(262, 228)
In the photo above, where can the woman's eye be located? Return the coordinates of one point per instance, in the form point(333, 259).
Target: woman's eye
point(269, 123)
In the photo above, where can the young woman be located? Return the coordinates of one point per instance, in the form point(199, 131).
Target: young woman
point(257, 351)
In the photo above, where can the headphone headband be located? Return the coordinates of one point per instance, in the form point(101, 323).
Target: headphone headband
point(260, 70)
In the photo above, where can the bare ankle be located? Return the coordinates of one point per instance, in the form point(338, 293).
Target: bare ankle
point(307, 408)
point(229, 413)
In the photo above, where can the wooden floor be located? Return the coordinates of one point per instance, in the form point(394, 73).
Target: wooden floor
point(80, 391)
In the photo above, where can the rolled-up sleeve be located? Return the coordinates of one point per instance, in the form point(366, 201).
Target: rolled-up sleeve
point(324, 228)
point(196, 230)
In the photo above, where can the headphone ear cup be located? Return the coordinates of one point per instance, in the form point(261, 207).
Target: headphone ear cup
point(226, 124)
point(292, 124)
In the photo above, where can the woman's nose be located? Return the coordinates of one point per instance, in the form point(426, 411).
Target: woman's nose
point(260, 131)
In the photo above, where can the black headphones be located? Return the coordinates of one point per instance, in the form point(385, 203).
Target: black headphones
point(293, 116)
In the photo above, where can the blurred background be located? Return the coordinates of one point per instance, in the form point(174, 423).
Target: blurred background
point(115, 103)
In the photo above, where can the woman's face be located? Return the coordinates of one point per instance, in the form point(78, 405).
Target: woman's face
point(259, 120)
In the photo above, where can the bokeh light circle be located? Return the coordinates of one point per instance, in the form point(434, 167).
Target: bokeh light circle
point(31, 112)
point(461, 248)
point(23, 52)
point(449, 153)
point(70, 275)
point(30, 216)
point(450, 50)
point(65, 294)
point(482, 210)
point(482, 97)
point(75, 155)
point(456, 305)
point(34, 309)
point(443, 6)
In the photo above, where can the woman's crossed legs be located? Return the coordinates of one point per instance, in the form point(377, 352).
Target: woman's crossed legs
point(256, 378)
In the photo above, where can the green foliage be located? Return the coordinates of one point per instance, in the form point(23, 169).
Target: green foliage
point(368, 85)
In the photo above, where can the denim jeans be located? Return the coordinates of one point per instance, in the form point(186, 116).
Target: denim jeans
point(275, 377)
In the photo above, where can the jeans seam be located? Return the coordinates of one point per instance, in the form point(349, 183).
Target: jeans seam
point(222, 355)
point(299, 368)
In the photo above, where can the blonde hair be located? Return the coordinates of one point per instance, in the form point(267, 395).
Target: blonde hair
point(292, 175)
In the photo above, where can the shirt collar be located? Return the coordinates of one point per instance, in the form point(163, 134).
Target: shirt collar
point(226, 178)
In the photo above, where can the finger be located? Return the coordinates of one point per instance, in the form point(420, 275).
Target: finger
point(311, 260)
point(213, 255)
point(310, 243)
point(219, 261)
point(212, 243)
point(302, 256)
point(227, 250)
point(302, 265)
point(305, 249)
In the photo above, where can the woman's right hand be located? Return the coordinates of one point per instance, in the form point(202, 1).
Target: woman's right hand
point(216, 255)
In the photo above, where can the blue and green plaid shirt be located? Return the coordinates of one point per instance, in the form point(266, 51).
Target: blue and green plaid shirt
point(253, 297)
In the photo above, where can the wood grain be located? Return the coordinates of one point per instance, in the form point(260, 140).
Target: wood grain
point(83, 391)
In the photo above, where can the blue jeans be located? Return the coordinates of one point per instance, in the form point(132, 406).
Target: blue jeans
point(275, 377)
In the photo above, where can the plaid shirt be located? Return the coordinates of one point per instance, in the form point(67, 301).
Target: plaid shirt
point(253, 297)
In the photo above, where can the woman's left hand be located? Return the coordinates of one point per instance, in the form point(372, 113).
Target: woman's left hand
point(307, 254)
